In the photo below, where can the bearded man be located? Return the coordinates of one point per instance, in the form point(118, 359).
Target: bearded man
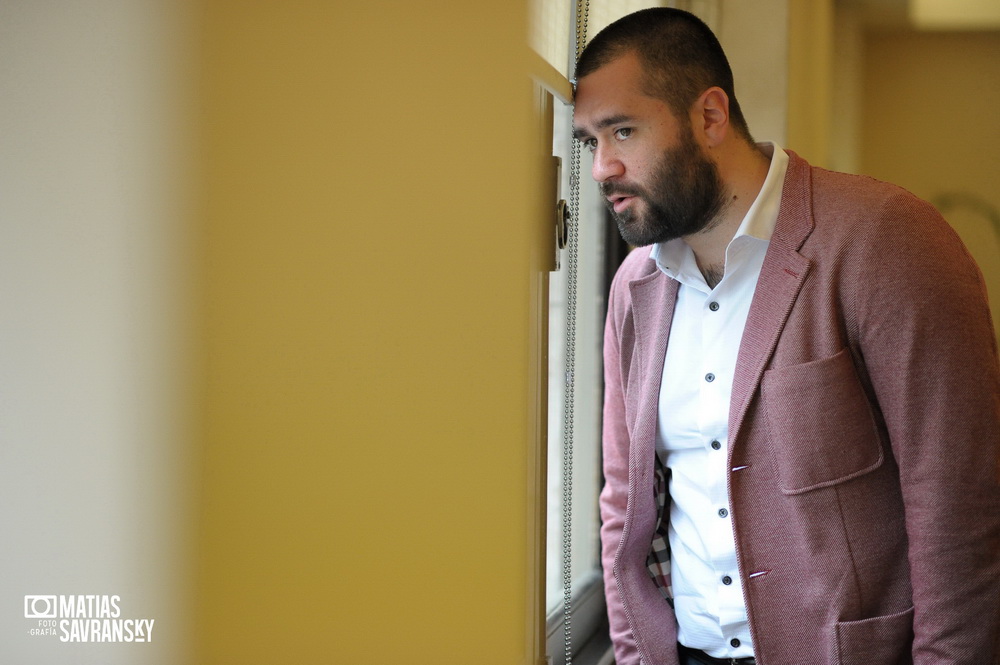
point(802, 408)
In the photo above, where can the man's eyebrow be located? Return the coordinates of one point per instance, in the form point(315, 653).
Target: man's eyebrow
point(579, 133)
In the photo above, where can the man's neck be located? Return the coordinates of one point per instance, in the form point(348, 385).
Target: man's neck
point(743, 169)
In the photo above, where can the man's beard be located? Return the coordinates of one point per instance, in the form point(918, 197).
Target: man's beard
point(685, 196)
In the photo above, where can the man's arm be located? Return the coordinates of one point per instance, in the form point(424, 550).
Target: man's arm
point(614, 495)
point(930, 351)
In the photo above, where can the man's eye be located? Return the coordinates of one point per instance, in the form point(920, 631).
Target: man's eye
point(623, 133)
point(590, 144)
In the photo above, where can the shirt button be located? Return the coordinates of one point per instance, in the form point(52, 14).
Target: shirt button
point(723, 512)
point(727, 580)
point(714, 306)
point(716, 445)
point(710, 377)
point(734, 642)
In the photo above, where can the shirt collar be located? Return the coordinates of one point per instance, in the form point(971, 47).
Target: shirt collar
point(676, 259)
point(763, 213)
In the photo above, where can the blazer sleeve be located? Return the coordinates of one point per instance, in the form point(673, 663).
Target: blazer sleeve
point(929, 348)
point(614, 495)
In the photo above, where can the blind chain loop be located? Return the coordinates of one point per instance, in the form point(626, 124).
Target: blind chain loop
point(582, 12)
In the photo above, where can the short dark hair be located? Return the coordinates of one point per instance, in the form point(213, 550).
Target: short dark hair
point(681, 58)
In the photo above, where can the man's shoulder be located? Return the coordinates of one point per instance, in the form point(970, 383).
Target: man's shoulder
point(834, 192)
point(826, 186)
point(845, 205)
point(637, 268)
point(871, 230)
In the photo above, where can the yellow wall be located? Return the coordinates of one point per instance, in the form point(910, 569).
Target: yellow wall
point(929, 124)
point(372, 262)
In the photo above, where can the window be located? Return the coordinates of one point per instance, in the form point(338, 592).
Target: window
point(599, 251)
point(591, 290)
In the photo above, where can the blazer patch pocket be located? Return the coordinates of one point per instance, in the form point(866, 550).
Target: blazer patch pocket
point(881, 640)
point(821, 427)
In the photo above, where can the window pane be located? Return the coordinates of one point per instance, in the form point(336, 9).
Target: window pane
point(588, 378)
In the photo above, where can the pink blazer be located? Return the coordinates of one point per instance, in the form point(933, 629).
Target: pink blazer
point(864, 440)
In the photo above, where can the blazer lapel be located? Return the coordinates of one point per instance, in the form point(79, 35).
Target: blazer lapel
point(781, 278)
point(653, 299)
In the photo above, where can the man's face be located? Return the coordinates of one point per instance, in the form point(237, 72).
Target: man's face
point(655, 178)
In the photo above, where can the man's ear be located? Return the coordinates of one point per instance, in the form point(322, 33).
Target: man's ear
point(710, 115)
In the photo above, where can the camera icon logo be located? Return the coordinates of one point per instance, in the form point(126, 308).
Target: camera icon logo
point(40, 607)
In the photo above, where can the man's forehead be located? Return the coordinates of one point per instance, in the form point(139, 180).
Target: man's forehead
point(604, 88)
point(625, 70)
point(612, 94)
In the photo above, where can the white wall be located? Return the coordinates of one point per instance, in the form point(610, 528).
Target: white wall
point(92, 290)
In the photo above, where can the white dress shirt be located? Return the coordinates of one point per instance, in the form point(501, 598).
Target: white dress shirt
point(693, 425)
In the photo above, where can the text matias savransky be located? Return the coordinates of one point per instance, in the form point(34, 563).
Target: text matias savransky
point(86, 618)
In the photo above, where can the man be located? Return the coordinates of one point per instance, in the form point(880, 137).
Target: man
point(802, 409)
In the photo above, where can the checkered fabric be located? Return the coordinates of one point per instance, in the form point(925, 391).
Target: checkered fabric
point(658, 560)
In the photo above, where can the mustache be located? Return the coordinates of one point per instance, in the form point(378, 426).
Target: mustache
point(615, 189)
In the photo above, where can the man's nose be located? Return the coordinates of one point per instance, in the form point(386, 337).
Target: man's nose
point(607, 165)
